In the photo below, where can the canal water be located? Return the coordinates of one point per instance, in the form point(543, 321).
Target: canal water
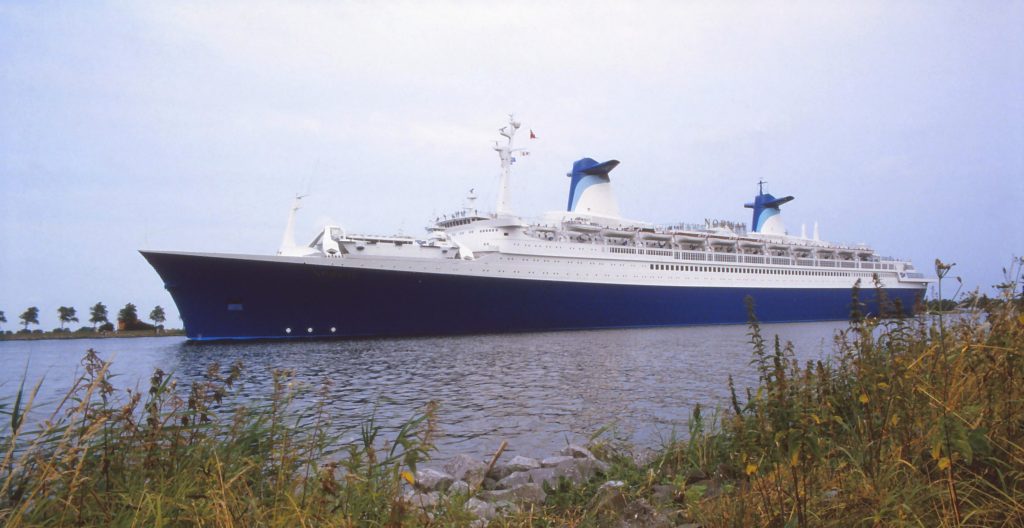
point(537, 391)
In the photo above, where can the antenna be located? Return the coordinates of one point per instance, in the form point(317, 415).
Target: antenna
point(288, 240)
point(505, 153)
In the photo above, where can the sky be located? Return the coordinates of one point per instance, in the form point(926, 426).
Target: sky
point(191, 125)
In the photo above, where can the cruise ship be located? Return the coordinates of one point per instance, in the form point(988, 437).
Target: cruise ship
point(586, 267)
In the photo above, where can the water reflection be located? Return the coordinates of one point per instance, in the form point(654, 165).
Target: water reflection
point(535, 390)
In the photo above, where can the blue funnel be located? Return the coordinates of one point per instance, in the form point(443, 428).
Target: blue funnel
point(587, 172)
point(765, 206)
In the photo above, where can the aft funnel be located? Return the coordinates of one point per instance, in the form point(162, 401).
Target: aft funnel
point(766, 212)
point(590, 190)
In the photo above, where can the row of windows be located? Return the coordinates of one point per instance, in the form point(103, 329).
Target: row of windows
point(756, 271)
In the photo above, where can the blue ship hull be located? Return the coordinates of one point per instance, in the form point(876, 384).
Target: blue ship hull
point(227, 298)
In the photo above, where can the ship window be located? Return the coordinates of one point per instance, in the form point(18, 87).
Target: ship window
point(235, 307)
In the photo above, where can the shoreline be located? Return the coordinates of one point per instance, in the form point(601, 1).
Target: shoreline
point(46, 336)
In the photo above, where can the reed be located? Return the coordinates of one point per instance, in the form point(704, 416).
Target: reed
point(198, 456)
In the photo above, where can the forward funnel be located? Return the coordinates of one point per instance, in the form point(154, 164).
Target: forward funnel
point(590, 189)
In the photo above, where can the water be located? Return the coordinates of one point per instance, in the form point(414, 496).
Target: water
point(537, 391)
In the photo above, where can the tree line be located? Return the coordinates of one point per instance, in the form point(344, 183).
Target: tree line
point(127, 317)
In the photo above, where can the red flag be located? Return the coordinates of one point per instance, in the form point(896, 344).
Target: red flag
point(532, 135)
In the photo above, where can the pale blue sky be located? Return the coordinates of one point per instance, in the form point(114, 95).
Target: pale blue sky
point(189, 126)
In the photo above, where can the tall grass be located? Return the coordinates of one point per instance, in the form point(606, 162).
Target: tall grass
point(172, 457)
point(911, 422)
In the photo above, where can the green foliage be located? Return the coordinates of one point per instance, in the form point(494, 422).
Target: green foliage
point(66, 314)
point(128, 315)
point(157, 315)
point(29, 316)
point(98, 314)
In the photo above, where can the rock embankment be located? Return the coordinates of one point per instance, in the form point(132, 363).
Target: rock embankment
point(505, 487)
point(522, 482)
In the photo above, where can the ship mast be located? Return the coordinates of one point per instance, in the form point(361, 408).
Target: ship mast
point(288, 240)
point(505, 152)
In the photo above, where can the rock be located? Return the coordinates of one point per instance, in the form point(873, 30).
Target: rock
point(482, 510)
point(490, 484)
point(580, 470)
point(538, 476)
point(643, 456)
point(521, 463)
point(459, 487)
point(432, 480)
point(555, 460)
point(530, 493)
point(573, 471)
point(423, 501)
point(576, 451)
point(465, 467)
point(500, 471)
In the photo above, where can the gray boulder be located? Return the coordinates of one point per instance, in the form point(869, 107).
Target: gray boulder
point(537, 476)
point(521, 463)
point(433, 480)
point(555, 460)
point(423, 500)
point(580, 470)
point(530, 493)
point(459, 487)
point(500, 471)
point(576, 451)
point(465, 467)
point(481, 509)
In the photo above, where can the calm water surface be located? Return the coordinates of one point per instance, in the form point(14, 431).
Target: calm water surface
point(535, 390)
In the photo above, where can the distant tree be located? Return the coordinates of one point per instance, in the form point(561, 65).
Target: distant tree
point(98, 314)
point(158, 316)
point(66, 314)
point(128, 315)
point(2, 318)
point(30, 316)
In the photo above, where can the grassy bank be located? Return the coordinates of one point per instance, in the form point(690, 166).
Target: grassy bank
point(90, 335)
point(915, 422)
